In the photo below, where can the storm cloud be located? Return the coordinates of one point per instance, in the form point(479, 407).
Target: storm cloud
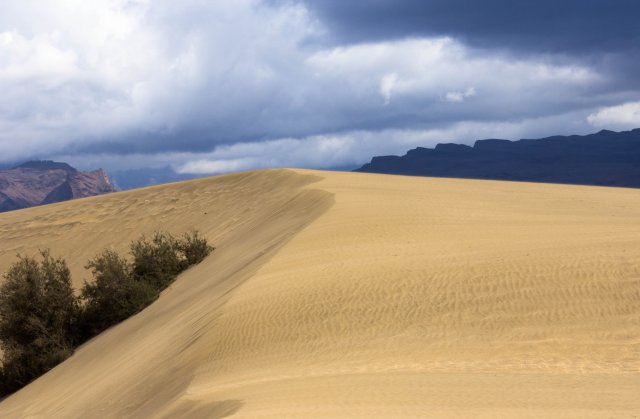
point(568, 26)
point(211, 87)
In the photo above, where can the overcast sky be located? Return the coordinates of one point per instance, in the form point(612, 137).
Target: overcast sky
point(224, 85)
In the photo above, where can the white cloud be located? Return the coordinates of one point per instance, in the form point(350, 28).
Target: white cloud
point(218, 166)
point(427, 69)
point(387, 84)
point(622, 116)
point(457, 97)
point(168, 78)
point(73, 73)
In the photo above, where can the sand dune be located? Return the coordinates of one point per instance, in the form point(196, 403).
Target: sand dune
point(357, 295)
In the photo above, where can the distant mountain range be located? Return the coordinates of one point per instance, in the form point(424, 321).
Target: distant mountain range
point(140, 178)
point(606, 158)
point(44, 182)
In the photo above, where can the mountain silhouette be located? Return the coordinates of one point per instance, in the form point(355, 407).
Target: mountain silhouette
point(606, 158)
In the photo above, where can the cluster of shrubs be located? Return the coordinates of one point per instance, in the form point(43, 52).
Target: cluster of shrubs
point(42, 320)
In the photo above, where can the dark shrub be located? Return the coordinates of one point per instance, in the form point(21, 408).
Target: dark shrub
point(38, 315)
point(157, 261)
point(114, 294)
point(194, 248)
point(23, 364)
point(41, 321)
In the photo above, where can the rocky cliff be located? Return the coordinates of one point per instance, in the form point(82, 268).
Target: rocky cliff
point(44, 182)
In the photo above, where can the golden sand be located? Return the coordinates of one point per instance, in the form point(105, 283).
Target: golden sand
point(357, 295)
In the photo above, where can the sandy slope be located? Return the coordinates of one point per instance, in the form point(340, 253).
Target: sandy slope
point(358, 295)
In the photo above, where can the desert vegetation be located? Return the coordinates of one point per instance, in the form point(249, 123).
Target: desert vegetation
point(42, 319)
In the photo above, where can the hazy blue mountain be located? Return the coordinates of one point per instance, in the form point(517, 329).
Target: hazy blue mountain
point(605, 158)
point(139, 178)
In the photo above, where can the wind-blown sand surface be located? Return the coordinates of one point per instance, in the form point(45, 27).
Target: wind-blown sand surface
point(357, 295)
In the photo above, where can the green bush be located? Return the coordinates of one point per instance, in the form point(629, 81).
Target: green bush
point(194, 248)
point(120, 288)
point(42, 321)
point(156, 261)
point(113, 296)
point(160, 259)
point(38, 315)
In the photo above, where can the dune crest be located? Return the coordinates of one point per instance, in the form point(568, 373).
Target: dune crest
point(358, 295)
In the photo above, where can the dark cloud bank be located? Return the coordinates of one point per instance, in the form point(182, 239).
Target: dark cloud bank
point(211, 87)
point(568, 26)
